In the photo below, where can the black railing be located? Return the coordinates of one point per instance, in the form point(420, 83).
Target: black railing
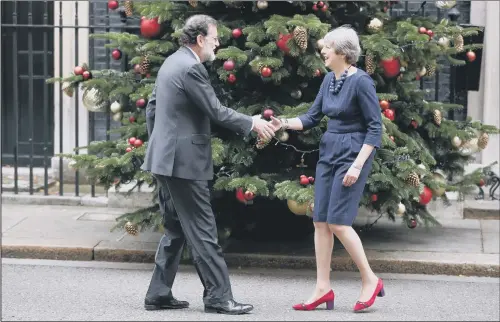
point(29, 105)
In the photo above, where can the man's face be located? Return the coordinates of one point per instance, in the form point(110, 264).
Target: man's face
point(209, 44)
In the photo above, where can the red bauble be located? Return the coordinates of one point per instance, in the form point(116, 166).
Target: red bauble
point(412, 224)
point(304, 181)
point(240, 195)
point(384, 104)
point(131, 140)
point(422, 30)
point(113, 4)
point(116, 54)
point(78, 70)
point(268, 113)
point(389, 113)
point(315, 7)
point(481, 182)
point(86, 75)
point(281, 43)
point(150, 28)
point(317, 73)
point(324, 8)
point(231, 78)
point(311, 179)
point(138, 143)
point(471, 56)
point(129, 149)
point(131, 119)
point(374, 198)
point(320, 4)
point(266, 72)
point(430, 33)
point(141, 102)
point(229, 65)
point(391, 67)
point(426, 196)
point(249, 195)
point(237, 33)
point(414, 124)
point(392, 138)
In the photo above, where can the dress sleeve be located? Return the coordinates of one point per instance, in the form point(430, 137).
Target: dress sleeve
point(369, 104)
point(314, 115)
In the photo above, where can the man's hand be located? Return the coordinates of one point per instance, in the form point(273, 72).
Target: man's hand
point(263, 128)
point(276, 123)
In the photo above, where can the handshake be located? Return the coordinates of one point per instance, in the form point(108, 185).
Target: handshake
point(265, 129)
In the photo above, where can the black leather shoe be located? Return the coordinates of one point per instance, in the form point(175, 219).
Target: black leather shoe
point(230, 307)
point(165, 304)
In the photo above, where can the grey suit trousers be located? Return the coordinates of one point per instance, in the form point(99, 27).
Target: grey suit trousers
point(188, 217)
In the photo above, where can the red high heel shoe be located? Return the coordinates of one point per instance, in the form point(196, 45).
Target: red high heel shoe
point(328, 298)
point(379, 291)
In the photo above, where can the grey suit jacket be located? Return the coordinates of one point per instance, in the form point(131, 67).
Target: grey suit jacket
point(180, 142)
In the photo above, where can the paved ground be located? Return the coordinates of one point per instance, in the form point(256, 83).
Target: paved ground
point(54, 290)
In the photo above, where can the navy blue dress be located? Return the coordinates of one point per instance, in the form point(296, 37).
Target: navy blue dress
point(354, 119)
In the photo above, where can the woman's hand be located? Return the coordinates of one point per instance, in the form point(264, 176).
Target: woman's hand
point(276, 123)
point(351, 176)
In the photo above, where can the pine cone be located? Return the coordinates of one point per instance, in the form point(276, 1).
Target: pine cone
point(431, 70)
point(459, 43)
point(145, 65)
point(482, 142)
point(437, 117)
point(413, 179)
point(193, 3)
point(300, 37)
point(129, 8)
point(131, 228)
point(369, 65)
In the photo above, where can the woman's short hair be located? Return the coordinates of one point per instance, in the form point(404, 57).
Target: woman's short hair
point(345, 41)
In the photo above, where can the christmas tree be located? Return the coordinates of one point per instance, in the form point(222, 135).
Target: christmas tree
point(269, 64)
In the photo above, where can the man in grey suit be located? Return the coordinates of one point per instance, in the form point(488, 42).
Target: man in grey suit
point(179, 155)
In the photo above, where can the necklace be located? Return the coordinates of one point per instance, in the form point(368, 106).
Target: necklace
point(336, 87)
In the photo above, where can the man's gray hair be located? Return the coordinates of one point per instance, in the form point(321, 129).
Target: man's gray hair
point(194, 26)
point(345, 41)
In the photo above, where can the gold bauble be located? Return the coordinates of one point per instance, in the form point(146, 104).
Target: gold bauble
point(284, 136)
point(296, 208)
point(440, 177)
point(401, 209)
point(456, 142)
point(375, 25)
point(469, 147)
point(92, 101)
point(422, 71)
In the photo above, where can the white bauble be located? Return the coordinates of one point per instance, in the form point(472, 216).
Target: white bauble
point(115, 107)
point(117, 117)
point(401, 209)
point(456, 141)
point(444, 42)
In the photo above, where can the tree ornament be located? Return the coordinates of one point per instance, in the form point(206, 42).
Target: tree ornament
point(78, 70)
point(458, 43)
point(240, 196)
point(131, 140)
point(304, 180)
point(68, 89)
point(413, 179)
point(268, 113)
point(117, 117)
point(314, 7)
point(482, 141)
point(444, 42)
point(456, 142)
point(150, 28)
point(140, 103)
point(425, 196)
point(231, 78)
point(375, 25)
point(129, 8)
point(440, 177)
point(389, 113)
point(266, 72)
point(374, 197)
point(262, 143)
point(281, 43)
point(128, 149)
point(401, 209)
point(384, 104)
point(412, 224)
point(445, 4)
point(237, 33)
point(414, 124)
point(422, 30)
point(249, 195)
point(116, 54)
point(470, 147)
point(311, 180)
point(93, 101)
point(431, 70)
point(145, 65)
point(229, 65)
point(437, 117)
point(430, 33)
point(296, 208)
point(131, 229)
point(300, 37)
point(131, 119)
point(115, 107)
point(471, 56)
point(113, 4)
point(422, 72)
point(193, 3)
point(317, 73)
point(138, 143)
point(262, 5)
point(391, 67)
point(296, 94)
point(369, 65)
point(284, 136)
point(86, 75)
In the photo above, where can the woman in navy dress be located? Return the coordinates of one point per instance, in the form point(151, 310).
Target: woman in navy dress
point(348, 98)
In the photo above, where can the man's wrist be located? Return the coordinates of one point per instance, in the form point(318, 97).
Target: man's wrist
point(357, 166)
point(284, 124)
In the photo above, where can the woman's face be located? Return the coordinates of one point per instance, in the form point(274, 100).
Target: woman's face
point(330, 57)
